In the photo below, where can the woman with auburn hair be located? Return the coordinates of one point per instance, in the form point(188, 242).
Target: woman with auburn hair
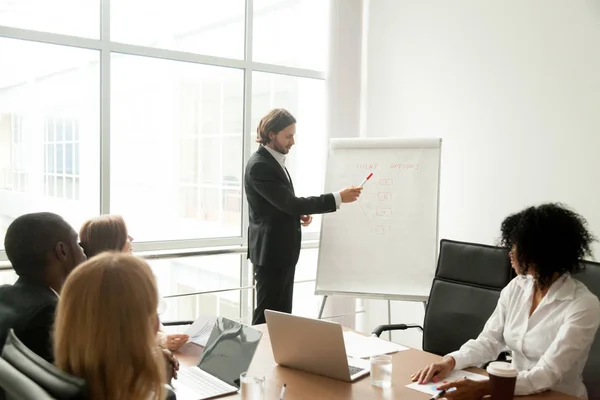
point(114, 351)
point(104, 233)
point(110, 233)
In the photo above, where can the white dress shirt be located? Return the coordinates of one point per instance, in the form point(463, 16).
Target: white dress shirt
point(551, 347)
point(280, 158)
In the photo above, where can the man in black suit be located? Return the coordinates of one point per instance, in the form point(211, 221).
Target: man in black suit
point(276, 214)
point(43, 250)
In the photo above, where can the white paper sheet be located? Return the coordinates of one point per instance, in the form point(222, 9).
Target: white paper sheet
point(200, 330)
point(431, 388)
point(360, 346)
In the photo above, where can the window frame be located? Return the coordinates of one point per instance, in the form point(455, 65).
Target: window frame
point(106, 47)
point(19, 174)
point(52, 173)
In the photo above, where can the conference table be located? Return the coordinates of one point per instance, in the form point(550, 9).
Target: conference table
point(303, 385)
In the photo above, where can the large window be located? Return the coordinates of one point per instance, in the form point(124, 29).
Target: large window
point(49, 130)
point(209, 27)
point(185, 122)
point(215, 274)
point(69, 17)
point(155, 116)
point(149, 109)
point(291, 33)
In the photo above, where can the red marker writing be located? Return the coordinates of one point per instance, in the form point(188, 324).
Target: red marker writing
point(366, 179)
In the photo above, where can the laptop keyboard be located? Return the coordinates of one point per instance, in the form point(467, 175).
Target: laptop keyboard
point(354, 370)
point(203, 384)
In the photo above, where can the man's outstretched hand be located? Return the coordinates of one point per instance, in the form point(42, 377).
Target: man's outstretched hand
point(350, 194)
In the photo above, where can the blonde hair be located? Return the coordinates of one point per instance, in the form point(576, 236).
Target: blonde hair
point(103, 233)
point(105, 328)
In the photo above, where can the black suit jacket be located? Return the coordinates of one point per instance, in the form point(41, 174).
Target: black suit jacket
point(28, 307)
point(274, 234)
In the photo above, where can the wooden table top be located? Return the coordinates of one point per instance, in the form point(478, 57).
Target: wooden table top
point(303, 385)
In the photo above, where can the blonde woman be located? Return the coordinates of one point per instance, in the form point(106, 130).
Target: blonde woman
point(105, 329)
point(110, 233)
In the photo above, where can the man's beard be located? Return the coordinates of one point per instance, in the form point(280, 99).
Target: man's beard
point(280, 149)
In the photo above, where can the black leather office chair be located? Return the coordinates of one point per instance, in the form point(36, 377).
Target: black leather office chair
point(591, 375)
point(54, 381)
point(464, 293)
point(17, 386)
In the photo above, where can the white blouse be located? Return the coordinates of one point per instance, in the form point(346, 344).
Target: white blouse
point(551, 347)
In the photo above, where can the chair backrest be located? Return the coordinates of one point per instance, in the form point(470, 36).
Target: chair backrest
point(54, 381)
point(464, 293)
point(591, 278)
point(17, 386)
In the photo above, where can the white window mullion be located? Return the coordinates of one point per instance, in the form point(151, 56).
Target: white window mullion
point(247, 297)
point(105, 65)
point(220, 196)
point(63, 195)
point(54, 160)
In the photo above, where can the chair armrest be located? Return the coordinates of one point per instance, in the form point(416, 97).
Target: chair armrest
point(503, 356)
point(170, 392)
point(394, 327)
point(173, 323)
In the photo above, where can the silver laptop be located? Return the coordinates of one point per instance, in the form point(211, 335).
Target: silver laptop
point(312, 345)
point(228, 352)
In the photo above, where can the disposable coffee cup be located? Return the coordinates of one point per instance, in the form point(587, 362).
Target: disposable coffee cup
point(503, 377)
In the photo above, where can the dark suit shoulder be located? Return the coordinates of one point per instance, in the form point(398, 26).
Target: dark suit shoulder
point(259, 156)
point(259, 164)
point(22, 303)
point(27, 292)
point(29, 309)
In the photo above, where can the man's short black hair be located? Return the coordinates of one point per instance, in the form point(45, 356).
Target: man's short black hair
point(550, 237)
point(30, 238)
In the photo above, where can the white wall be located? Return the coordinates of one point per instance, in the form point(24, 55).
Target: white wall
point(343, 103)
point(512, 87)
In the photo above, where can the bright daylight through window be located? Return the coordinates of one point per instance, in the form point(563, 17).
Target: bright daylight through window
point(149, 109)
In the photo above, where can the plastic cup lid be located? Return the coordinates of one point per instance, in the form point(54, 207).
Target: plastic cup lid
point(503, 369)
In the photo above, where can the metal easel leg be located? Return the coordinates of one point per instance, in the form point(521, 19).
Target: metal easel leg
point(253, 283)
point(322, 306)
point(389, 319)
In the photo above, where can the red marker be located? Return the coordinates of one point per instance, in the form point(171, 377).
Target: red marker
point(366, 179)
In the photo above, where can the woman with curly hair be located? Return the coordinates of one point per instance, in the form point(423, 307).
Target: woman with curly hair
point(544, 316)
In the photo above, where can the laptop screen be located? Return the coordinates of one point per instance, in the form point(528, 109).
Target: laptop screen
point(229, 350)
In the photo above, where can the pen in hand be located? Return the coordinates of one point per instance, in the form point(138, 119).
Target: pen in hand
point(282, 391)
point(437, 396)
point(443, 392)
point(365, 180)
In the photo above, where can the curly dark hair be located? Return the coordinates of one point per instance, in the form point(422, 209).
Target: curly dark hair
point(548, 238)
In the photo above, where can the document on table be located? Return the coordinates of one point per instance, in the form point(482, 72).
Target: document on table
point(431, 388)
point(200, 330)
point(360, 346)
